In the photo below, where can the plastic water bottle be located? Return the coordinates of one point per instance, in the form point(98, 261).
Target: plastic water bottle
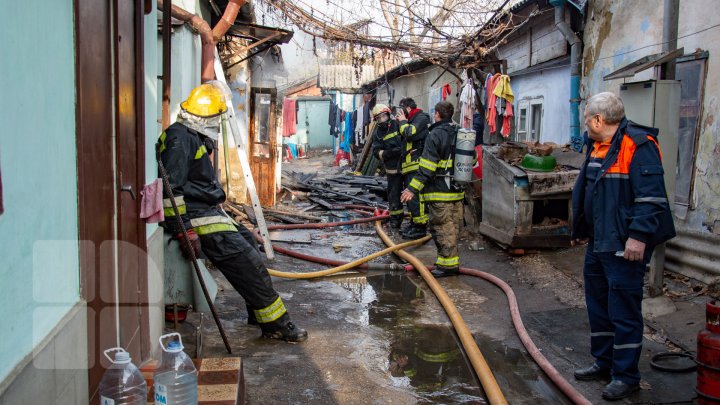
point(175, 376)
point(122, 382)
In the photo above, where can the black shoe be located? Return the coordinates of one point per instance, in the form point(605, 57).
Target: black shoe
point(414, 232)
point(395, 223)
point(618, 390)
point(592, 373)
point(437, 273)
point(288, 333)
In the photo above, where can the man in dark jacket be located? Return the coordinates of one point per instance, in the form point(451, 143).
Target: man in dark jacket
point(184, 151)
point(434, 183)
point(621, 210)
point(387, 147)
point(414, 128)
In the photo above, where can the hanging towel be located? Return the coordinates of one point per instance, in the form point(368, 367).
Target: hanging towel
point(289, 117)
point(151, 203)
point(446, 91)
point(507, 118)
point(467, 102)
point(503, 89)
point(491, 115)
point(359, 125)
point(347, 133)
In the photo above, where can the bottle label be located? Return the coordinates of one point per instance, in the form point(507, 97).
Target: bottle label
point(106, 401)
point(160, 394)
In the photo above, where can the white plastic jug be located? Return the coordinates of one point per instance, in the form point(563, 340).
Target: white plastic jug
point(122, 382)
point(175, 376)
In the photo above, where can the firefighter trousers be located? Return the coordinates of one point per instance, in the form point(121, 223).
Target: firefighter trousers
point(394, 189)
point(613, 294)
point(418, 215)
point(237, 256)
point(444, 225)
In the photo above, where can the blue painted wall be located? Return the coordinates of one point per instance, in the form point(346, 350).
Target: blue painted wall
point(39, 271)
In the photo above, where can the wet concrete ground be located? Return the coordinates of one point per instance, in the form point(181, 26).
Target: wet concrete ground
point(383, 338)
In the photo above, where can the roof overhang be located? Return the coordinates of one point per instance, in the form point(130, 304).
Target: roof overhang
point(644, 63)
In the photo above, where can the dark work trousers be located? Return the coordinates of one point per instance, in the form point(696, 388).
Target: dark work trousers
point(394, 189)
point(237, 257)
point(418, 214)
point(613, 293)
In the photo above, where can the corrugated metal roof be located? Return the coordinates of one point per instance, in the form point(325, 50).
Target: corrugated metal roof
point(398, 71)
point(344, 77)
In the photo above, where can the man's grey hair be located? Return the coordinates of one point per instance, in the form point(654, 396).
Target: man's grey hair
point(608, 105)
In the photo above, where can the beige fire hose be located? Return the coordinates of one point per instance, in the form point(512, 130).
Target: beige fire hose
point(489, 384)
point(327, 272)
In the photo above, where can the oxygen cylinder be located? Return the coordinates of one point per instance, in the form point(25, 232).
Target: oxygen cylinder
point(464, 155)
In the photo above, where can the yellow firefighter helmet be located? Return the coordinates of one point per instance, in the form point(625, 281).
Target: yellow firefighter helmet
point(205, 100)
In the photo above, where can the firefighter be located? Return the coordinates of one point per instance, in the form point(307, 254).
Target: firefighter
point(184, 151)
point(387, 146)
point(434, 183)
point(414, 127)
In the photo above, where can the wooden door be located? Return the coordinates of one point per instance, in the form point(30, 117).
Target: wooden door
point(263, 142)
point(110, 157)
point(130, 176)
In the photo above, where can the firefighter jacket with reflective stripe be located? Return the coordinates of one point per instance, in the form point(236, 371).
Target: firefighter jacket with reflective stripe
point(620, 191)
point(433, 180)
point(184, 153)
point(413, 133)
point(387, 145)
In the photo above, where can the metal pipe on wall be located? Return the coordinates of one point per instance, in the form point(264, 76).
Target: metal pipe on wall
point(207, 36)
point(167, 44)
point(669, 37)
point(575, 44)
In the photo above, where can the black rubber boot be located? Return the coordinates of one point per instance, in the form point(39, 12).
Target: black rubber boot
point(395, 223)
point(618, 390)
point(439, 273)
point(415, 232)
point(592, 373)
point(289, 333)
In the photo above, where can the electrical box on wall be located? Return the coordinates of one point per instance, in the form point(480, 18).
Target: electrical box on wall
point(656, 103)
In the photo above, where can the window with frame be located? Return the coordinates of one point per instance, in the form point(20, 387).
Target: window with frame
point(529, 120)
point(691, 71)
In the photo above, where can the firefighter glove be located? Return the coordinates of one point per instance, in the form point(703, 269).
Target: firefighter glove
point(195, 246)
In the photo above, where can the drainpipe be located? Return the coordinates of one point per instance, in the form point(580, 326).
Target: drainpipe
point(670, 32)
point(207, 36)
point(167, 44)
point(575, 44)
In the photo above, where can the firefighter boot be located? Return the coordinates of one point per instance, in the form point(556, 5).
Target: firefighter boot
point(396, 221)
point(415, 231)
point(288, 332)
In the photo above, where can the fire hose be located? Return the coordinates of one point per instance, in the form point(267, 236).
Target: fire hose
point(534, 352)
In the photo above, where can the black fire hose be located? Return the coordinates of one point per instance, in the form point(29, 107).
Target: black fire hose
point(188, 245)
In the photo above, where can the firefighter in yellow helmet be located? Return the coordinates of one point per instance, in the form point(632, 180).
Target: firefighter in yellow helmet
point(184, 151)
point(387, 146)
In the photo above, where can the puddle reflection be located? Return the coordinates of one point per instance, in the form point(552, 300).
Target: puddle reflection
point(428, 358)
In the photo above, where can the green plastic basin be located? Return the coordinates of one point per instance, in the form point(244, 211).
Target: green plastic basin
point(538, 163)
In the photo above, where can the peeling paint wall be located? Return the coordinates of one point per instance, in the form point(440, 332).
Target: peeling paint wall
point(620, 32)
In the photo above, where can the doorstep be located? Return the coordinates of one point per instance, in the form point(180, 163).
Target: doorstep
point(220, 381)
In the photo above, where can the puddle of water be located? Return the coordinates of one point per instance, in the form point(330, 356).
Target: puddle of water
point(428, 359)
